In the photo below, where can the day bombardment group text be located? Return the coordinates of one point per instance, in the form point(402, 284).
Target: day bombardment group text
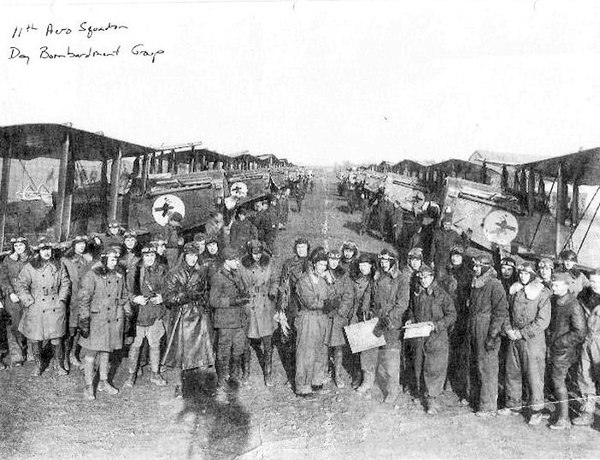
point(84, 31)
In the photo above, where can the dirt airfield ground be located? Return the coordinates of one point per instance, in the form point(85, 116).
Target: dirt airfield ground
point(47, 418)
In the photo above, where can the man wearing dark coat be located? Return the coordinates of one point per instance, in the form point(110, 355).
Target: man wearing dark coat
point(258, 275)
point(433, 305)
point(388, 301)
point(9, 272)
point(77, 262)
point(147, 285)
point(567, 332)
point(228, 297)
point(288, 304)
point(488, 310)
point(457, 283)
point(186, 295)
point(242, 230)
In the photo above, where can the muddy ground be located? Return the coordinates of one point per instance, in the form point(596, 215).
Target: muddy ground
point(47, 418)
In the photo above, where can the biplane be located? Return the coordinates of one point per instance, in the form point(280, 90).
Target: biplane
point(60, 180)
point(536, 209)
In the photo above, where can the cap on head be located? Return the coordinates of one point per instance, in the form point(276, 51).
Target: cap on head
point(546, 263)
point(334, 254)
point(508, 262)
point(350, 245)
point(255, 247)
point(114, 224)
point(212, 239)
point(45, 242)
point(300, 240)
point(230, 254)
point(176, 217)
point(80, 239)
point(562, 277)
point(364, 259)
point(111, 249)
point(527, 267)
point(130, 234)
point(190, 248)
point(319, 254)
point(568, 254)
point(416, 253)
point(149, 249)
point(483, 259)
point(425, 270)
point(386, 254)
point(19, 239)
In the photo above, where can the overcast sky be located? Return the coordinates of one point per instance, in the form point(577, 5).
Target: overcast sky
point(318, 82)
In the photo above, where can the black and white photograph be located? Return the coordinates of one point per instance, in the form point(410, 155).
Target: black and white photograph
point(299, 229)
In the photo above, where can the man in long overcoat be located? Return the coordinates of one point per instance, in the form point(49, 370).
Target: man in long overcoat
point(314, 290)
point(186, 295)
point(488, 310)
point(9, 272)
point(43, 288)
point(77, 262)
point(259, 279)
point(103, 305)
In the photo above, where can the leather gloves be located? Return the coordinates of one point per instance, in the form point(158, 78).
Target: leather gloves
point(84, 327)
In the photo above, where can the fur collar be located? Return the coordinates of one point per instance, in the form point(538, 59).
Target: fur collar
point(37, 263)
point(532, 290)
point(23, 257)
point(566, 299)
point(248, 261)
point(338, 273)
point(480, 281)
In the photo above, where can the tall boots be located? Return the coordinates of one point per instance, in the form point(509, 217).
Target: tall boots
point(59, 358)
point(268, 365)
point(246, 358)
point(338, 356)
point(356, 372)
point(367, 383)
point(562, 405)
point(587, 412)
point(68, 347)
point(236, 368)
point(104, 386)
point(134, 356)
point(222, 368)
point(71, 342)
point(156, 378)
point(36, 352)
point(88, 375)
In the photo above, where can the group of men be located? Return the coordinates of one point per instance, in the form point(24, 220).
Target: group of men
point(448, 321)
point(526, 330)
point(108, 291)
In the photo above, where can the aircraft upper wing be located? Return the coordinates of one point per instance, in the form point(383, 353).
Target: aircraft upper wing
point(581, 167)
point(31, 141)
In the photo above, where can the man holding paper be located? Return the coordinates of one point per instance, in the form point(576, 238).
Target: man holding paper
point(433, 309)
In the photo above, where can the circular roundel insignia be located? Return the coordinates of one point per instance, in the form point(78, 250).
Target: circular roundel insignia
point(238, 190)
point(166, 205)
point(500, 227)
